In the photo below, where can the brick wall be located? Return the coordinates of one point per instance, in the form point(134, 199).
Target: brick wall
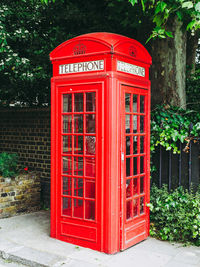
point(27, 133)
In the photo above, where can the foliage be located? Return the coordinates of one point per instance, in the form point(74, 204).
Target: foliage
point(175, 216)
point(172, 124)
point(160, 12)
point(193, 91)
point(8, 164)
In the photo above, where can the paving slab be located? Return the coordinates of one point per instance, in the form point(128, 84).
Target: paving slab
point(25, 241)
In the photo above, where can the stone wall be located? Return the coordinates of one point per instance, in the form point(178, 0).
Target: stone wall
point(27, 132)
point(19, 194)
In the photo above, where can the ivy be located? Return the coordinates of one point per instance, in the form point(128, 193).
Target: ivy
point(172, 124)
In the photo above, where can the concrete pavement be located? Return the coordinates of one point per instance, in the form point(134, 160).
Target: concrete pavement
point(25, 241)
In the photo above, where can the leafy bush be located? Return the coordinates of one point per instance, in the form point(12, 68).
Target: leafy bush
point(172, 124)
point(192, 91)
point(175, 216)
point(8, 164)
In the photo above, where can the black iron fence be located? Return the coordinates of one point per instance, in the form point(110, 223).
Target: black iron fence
point(177, 169)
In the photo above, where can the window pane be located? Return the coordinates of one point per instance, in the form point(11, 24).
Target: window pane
point(89, 189)
point(142, 97)
point(67, 206)
point(141, 164)
point(128, 123)
point(78, 166)
point(128, 169)
point(67, 186)
point(135, 97)
point(89, 210)
point(78, 144)
point(141, 205)
point(142, 185)
point(135, 207)
point(78, 208)
point(128, 188)
point(128, 145)
point(141, 144)
point(135, 128)
point(67, 103)
point(128, 210)
point(127, 102)
point(90, 167)
point(67, 124)
point(90, 101)
point(135, 167)
point(135, 145)
point(78, 123)
point(78, 187)
point(67, 165)
point(90, 123)
point(90, 145)
point(67, 144)
point(135, 186)
point(78, 102)
point(142, 124)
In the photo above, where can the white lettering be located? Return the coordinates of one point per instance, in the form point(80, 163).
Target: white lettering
point(81, 67)
point(130, 68)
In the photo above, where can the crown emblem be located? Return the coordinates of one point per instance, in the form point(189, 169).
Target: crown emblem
point(132, 51)
point(79, 49)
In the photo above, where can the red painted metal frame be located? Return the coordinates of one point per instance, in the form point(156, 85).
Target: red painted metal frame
point(110, 232)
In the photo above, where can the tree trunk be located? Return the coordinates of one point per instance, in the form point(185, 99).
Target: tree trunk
point(168, 71)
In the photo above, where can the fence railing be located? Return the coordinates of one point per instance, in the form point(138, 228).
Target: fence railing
point(177, 169)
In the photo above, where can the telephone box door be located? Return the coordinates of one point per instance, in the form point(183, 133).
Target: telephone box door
point(79, 171)
point(135, 165)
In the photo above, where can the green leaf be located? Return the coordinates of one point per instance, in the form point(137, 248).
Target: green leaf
point(133, 2)
point(191, 25)
point(179, 15)
point(169, 34)
point(187, 4)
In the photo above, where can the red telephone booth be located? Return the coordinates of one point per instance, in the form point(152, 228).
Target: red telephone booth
point(100, 139)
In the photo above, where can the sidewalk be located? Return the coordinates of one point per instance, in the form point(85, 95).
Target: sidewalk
point(25, 241)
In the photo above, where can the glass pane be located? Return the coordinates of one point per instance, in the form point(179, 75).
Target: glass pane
point(141, 164)
point(90, 123)
point(135, 186)
point(128, 123)
point(90, 167)
point(128, 170)
point(67, 165)
point(78, 102)
point(128, 188)
point(127, 102)
point(67, 103)
point(78, 123)
point(135, 145)
point(135, 128)
point(90, 145)
point(67, 144)
point(142, 124)
point(78, 144)
point(135, 167)
point(135, 207)
point(67, 124)
point(135, 97)
point(67, 206)
point(89, 189)
point(89, 210)
point(128, 210)
point(141, 205)
point(67, 186)
point(90, 101)
point(142, 97)
point(128, 145)
point(141, 144)
point(78, 166)
point(142, 185)
point(78, 187)
point(78, 208)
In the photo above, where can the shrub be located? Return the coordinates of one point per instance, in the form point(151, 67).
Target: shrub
point(8, 164)
point(175, 216)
